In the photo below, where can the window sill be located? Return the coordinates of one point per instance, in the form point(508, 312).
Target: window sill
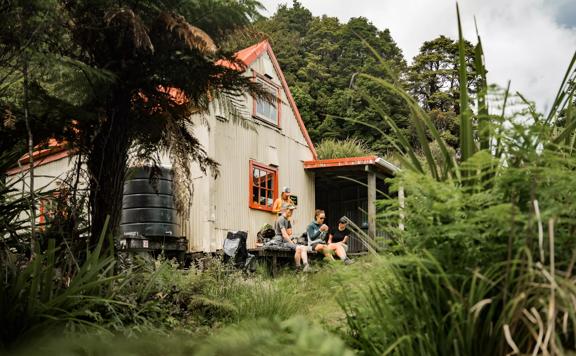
point(261, 208)
point(266, 122)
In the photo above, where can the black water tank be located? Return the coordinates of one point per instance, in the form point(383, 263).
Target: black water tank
point(148, 208)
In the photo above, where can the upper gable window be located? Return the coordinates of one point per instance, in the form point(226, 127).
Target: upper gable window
point(263, 109)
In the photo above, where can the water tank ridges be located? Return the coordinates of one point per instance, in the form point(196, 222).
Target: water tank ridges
point(148, 207)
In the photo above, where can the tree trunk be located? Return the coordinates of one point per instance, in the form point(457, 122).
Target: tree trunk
point(33, 246)
point(107, 168)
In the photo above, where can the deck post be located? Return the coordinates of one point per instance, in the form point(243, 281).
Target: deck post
point(372, 204)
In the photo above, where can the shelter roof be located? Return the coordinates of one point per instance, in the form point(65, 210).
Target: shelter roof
point(352, 163)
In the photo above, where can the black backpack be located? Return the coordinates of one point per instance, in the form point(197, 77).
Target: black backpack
point(236, 250)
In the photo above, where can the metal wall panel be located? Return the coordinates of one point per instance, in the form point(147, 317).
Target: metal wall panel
point(234, 147)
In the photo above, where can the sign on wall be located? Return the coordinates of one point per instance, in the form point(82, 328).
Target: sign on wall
point(294, 199)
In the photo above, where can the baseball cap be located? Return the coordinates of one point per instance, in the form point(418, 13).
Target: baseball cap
point(286, 190)
point(291, 207)
point(343, 220)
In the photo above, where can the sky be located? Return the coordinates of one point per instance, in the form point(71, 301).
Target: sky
point(529, 42)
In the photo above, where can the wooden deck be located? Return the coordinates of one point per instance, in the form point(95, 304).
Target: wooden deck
point(273, 255)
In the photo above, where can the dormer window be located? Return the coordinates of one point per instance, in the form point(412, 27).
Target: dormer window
point(264, 110)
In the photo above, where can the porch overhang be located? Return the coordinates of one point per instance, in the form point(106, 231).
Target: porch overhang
point(375, 163)
point(364, 177)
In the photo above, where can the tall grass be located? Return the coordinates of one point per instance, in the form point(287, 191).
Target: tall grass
point(38, 300)
point(425, 310)
point(251, 297)
point(13, 205)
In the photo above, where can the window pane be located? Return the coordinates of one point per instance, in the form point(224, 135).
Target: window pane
point(254, 195)
point(260, 107)
point(267, 110)
point(264, 109)
point(273, 113)
point(259, 178)
point(269, 180)
point(270, 201)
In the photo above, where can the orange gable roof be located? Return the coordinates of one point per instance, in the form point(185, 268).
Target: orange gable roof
point(248, 56)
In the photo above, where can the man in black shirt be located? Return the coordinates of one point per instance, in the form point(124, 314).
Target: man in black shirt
point(340, 236)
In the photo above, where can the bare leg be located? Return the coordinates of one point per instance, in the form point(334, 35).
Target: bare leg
point(297, 257)
point(339, 250)
point(304, 254)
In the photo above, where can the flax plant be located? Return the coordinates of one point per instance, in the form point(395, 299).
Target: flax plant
point(484, 262)
point(37, 300)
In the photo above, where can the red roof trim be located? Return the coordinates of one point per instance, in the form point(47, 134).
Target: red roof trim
point(340, 162)
point(45, 158)
point(248, 56)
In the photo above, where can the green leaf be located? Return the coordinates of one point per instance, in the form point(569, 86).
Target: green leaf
point(466, 136)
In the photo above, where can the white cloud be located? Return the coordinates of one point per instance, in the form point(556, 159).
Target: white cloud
point(529, 42)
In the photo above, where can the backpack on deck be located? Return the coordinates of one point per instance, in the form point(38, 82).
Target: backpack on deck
point(236, 250)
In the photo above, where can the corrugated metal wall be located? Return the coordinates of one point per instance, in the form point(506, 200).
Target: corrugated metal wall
point(227, 197)
point(47, 177)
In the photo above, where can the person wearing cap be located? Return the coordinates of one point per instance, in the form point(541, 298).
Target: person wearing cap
point(317, 233)
point(282, 202)
point(339, 237)
point(283, 238)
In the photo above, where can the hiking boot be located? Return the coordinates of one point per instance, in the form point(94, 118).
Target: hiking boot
point(306, 268)
point(348, 261)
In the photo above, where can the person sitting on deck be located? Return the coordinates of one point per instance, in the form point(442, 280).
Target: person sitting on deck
point(317, 232)
point(282, 202)
point(339, 237)
point(283, 238)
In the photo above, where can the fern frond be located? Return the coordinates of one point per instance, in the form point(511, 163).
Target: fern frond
point(123, 16)
point(191, 35)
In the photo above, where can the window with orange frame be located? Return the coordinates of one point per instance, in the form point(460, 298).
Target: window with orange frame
point(263, 186)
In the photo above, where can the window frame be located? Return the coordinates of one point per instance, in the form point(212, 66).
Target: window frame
point(268, 169)
point(273, 86)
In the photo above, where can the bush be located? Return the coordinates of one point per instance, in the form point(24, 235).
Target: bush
point(37, 299)
point(351, 147)
point(423, 310)
point(161, 296)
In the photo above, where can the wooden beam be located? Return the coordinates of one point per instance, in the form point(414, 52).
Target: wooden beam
point(372, 204)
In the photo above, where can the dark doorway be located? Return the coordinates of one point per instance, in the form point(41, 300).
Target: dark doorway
point(343, 192)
